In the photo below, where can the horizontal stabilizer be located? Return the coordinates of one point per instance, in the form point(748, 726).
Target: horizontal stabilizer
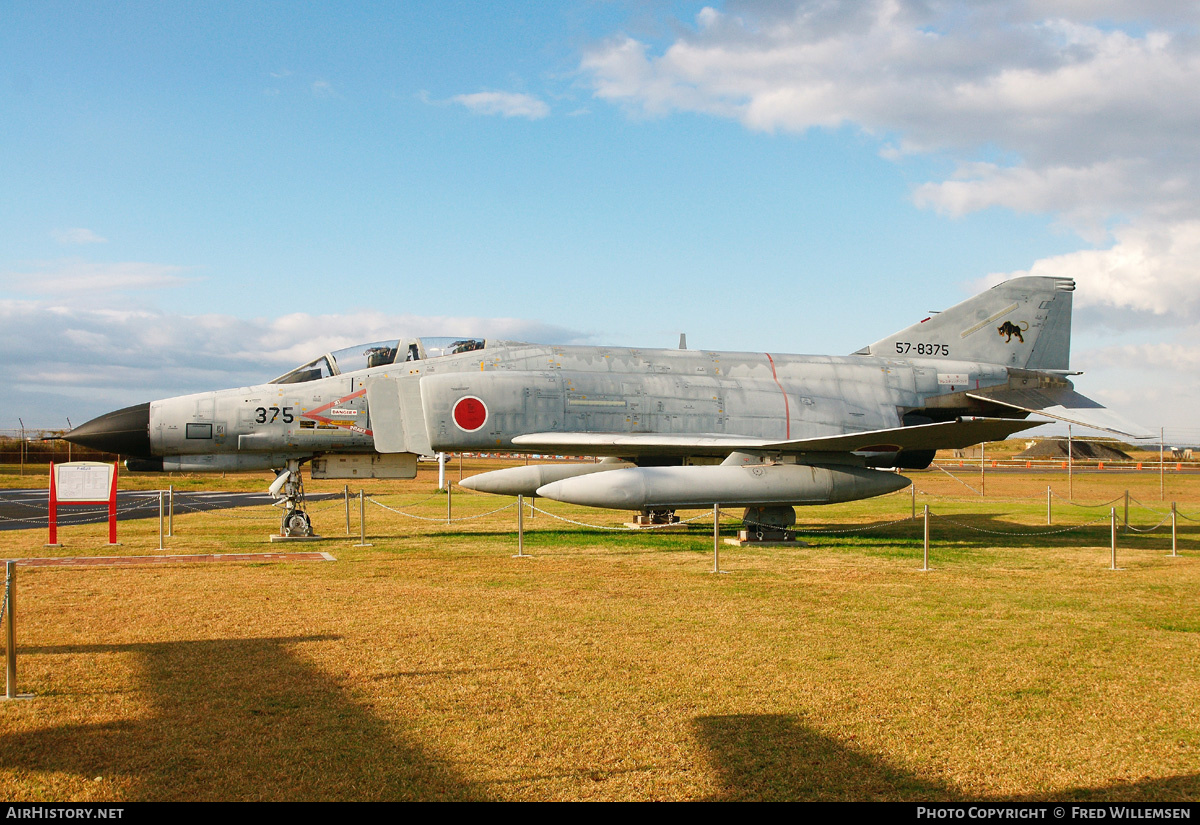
point(1064, 404)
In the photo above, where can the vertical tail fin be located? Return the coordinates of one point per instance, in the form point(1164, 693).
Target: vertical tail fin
point(1024, 322)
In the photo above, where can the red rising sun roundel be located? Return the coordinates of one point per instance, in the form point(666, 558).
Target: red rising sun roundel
point(470, 414)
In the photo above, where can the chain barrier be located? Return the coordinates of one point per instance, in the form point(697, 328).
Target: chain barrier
point(1018, 532)
point(876, 526)
point(996, 499)
point(1108, 503)
point(1161, 512)
point(1133, 500)
point(1165, 519)
point(622, 528)
point(443, 520)
point(959, 480)
point(414, 503)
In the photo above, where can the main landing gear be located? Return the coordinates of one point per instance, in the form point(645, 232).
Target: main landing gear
point(288, 488)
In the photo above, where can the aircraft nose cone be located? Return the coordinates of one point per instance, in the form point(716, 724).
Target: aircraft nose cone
point(124, 431)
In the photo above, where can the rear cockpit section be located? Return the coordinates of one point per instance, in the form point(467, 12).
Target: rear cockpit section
point(379, 354)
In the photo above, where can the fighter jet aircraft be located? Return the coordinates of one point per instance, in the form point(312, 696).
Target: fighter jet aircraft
point(679, 428)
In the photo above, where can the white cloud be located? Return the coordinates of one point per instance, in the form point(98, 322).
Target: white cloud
point(322, 88)
point(1098, 120)
point(1153, 269)
point(76, 276)
point(76, 236)
point(508, 104)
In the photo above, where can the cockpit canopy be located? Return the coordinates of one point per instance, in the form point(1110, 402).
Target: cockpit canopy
point(379, 354)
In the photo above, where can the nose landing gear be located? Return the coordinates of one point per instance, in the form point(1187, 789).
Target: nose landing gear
point(288, 488)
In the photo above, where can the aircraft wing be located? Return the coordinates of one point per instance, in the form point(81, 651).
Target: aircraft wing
point(717, 444)
point(945, 435)
point(1063, 404)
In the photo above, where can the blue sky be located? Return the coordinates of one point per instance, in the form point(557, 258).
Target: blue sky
point(201, 195)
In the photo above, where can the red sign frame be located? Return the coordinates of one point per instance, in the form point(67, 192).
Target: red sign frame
point(111, 501)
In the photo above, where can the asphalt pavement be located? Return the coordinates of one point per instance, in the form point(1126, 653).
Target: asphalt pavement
point(29, 509)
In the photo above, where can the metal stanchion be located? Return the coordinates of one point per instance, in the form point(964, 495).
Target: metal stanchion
point(925, 569)
point(1173, 529)
point(1112, 513)
point(362, 521)
point(171, 511)
point(1126, 510)
point(1070, 465)
point(10, 607)
point(716, 538)
point(449, 506)
point(913, 487)
point(520, 527)
point(346, 494)
point(982, 471)
point(1047, 504)
point(160, 519)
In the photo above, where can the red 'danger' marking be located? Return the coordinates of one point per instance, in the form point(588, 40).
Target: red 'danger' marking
point(470, 414)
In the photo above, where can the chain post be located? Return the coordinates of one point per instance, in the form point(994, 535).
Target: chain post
point(171, 511)
point(1112, 514)
point(1048, 504)
point(716, 538)
point(926, 567)
point(1173, 553)
point(10, 625)
point(362, 521)
point(160, 520)
point(520, 527)
point(346, 494)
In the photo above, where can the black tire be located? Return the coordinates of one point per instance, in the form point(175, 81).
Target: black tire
point(296, 524)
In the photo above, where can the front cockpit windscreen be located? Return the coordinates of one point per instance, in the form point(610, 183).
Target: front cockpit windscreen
point(378, 354)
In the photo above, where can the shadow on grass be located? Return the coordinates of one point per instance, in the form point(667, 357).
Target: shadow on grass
point(777, 757)
point(235, 720)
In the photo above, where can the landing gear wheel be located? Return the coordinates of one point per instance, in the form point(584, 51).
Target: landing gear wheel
point(296, 524)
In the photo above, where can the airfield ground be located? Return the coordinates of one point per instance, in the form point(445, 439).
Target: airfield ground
point(433, 665)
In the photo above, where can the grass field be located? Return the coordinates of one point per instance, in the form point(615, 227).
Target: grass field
point(433, 665)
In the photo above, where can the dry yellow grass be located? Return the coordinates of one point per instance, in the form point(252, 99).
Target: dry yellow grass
point(432, 665)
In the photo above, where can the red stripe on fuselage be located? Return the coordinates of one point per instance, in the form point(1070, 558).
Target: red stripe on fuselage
point(787, 409)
